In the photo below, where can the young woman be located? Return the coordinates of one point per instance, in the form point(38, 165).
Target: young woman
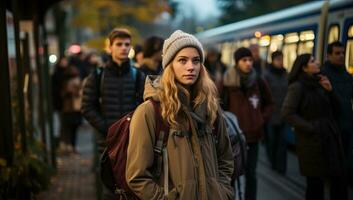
point(198, 164)
point(310, 107)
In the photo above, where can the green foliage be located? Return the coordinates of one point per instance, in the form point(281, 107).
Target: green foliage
point(242, 9)
point(29, 173)
point(101, 16)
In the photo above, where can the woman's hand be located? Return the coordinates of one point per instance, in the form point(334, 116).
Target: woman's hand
point(325, 83)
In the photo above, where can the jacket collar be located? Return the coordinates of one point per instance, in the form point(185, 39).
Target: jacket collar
point(119, 69)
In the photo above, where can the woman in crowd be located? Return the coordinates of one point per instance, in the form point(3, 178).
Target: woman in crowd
point(197, 164)
point(310, 107)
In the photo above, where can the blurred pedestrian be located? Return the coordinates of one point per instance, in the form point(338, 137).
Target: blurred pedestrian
point(111, 92)
point(57, 86)
point(258, 63)
point(91, 62)
point(152, 56)
point(78, 60)
point(215, 67)
point(71, 99)
point(248, 96)
point(138, 57)
point(195, 164)
point(276, 145)
point(310, 107)
point(342, 85)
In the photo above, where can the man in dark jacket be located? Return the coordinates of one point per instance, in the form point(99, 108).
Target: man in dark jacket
point(113, 92)
point(342, 83)
point(248, 96)
point(110, 94)
point(276, 76)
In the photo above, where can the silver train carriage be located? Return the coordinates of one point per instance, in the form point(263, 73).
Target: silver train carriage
point(306, 28)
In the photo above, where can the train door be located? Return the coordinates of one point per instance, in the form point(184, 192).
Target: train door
point(348, 40)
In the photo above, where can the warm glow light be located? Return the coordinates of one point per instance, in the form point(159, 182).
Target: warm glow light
point(265, 40)
point(258, 34)
point(292, 38)
point(131, 53)
point(75, 48)
point(305, 36)
point(350, 31)
point(53, 58)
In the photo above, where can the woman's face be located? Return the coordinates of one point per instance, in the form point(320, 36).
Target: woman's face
point(312, 67)
point(186, 66)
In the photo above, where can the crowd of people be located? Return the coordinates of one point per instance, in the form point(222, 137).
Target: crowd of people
point(192, 89)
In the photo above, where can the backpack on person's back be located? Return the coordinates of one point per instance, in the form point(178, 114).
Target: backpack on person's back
point(113, 159)
point(239, 147)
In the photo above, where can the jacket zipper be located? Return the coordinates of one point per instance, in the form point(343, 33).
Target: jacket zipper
point(195, 166)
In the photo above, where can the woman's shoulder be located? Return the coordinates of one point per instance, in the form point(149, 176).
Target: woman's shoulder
point(145, 107)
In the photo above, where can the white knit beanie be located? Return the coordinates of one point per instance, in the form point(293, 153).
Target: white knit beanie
point(177, 41)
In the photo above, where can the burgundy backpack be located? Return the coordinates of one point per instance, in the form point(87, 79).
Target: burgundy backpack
point(113, 159)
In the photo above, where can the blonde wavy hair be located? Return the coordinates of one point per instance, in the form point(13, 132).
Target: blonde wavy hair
point(203, 90)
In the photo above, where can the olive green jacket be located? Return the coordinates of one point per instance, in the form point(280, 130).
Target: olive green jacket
point(198, 166)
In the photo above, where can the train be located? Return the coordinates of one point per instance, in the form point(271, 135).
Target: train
point(306, 28)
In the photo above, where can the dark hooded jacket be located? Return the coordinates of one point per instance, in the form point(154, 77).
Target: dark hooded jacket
point(342, 84)
point(311, 110)
point(250, 100)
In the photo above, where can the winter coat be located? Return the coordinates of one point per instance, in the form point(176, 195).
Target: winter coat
point(252, 104)
point(278, 84)
point(119, 91)
point(311, 110)
point(199, 167)
point(342, 84)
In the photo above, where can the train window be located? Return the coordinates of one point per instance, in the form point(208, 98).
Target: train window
point(305, 47)
point(289, 55)
point(245, 43)
point(349, 51)
point(291, 38)
point(290, 50)
point(276, 44)
point(350, 31)
point(333, 33)
point(349, 56)
point(306, 44)
point(307, 35)
point(227, 53)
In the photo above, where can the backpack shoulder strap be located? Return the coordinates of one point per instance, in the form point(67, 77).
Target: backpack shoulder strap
point(99, 72)
point(136, 75)
point(162, 133)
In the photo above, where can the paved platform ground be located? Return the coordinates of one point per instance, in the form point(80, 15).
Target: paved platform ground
point(75, 179)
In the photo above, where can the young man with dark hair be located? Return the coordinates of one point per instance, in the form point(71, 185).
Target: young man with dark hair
point(342, 84)
point(111, 92)
point(248, 96)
